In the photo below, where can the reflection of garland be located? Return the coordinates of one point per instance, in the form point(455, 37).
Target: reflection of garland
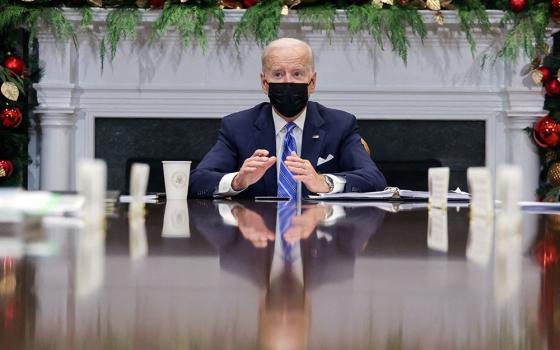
point(385, 20)
point(14, 84)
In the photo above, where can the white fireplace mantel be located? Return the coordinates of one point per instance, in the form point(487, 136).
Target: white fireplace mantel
point(442, 81)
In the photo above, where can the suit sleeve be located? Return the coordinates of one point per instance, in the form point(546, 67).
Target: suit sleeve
point(219, 161)
point(362, 174)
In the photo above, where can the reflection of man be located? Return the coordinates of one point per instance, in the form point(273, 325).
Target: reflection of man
point(297, 139)
point(324, 242)
point(329, 237)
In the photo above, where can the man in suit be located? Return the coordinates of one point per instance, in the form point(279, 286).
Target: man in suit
point(264, 150)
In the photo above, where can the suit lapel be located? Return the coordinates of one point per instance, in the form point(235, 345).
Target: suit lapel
point(313, 134)
point(265, 138)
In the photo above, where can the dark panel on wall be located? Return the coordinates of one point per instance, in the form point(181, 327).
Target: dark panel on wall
point(121, 141)
point(403, 149)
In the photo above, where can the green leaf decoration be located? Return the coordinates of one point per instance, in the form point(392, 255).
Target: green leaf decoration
point(526, 33)
point(189, 21)
point(320, 16)
point(386, 23)
point(473, 13)
point(121, 24)
point(262, 20)
point(87, 17)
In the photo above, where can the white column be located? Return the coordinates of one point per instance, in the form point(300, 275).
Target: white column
point(57, 144)
point(55, 95)
point(522, 152)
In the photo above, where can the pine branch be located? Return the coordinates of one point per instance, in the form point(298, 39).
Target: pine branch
point(473, 13)
point(10, 16)
point(121, 24)
point(189, 21)
point(262, 20)
point(54, 18)
point(526, 34)
point(87, 17)
point(321, 16)
point(390, 23)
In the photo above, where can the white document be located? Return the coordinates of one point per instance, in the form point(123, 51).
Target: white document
point(389, 193)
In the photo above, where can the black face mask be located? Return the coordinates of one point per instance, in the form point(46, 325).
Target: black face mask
point(288, 98)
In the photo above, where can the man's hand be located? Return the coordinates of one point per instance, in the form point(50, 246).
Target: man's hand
point(304, 171)
point(303, 225)
point(252, 170)
point(252, 227)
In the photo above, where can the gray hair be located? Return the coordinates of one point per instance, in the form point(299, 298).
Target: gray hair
point(287, 42)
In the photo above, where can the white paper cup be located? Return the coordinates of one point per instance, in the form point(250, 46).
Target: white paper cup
point(176, 219)
point(92, 184)
point(176, 176)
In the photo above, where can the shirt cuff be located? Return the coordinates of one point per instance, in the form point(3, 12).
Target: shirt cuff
point(224, 187)
point(225, 210)
point(338, 181)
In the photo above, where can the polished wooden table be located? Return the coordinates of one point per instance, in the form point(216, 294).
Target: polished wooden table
point(206, 274)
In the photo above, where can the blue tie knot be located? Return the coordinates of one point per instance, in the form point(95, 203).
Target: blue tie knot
point(289, 127)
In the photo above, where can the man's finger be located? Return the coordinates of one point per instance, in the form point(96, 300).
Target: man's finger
point(260, 152)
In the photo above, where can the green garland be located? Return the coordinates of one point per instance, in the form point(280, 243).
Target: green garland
point(525, 31)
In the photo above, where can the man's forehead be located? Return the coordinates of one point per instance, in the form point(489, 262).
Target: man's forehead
point(294, 53)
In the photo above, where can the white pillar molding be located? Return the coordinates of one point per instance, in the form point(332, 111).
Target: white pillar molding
point(522, 152)
point(57, 144)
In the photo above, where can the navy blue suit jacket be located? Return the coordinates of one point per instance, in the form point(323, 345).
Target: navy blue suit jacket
point(244, 132)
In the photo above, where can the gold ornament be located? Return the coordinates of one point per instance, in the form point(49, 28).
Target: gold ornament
point(552, 223)
point(553, 174)
point(2, 172)
point(285, 10)
point(8, 285)
point(97, 3)
point(438, 18)
point(537, 76)
point(9, 90)
point(379, 3)
point(433, 5)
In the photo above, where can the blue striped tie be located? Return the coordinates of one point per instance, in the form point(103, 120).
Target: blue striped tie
point(287, 186)
point(286, 211)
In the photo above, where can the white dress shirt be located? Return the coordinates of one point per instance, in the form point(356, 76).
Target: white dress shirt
point(224, 187)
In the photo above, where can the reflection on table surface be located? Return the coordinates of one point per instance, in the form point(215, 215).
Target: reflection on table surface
point(226, 274)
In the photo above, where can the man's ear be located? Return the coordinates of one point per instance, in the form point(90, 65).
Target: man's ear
point(264, 84)
point(312, 83)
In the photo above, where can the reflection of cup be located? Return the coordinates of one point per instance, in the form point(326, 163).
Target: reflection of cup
point(176, 219)
point(176, 175)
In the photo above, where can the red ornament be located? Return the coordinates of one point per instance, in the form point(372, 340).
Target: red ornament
point(15, 64)
point(6, 168)
point(250, 3)
point(546, 74)
point(517, 5)
point(156, 4)
point(11, 117)
point(555, 4)
point(547, 132)
point(546, 253)
point(552, 87)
